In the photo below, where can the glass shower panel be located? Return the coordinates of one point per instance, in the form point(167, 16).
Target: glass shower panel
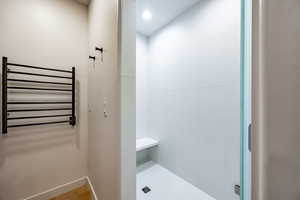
point(193, 81)
point(246, 39)
point(188, 99)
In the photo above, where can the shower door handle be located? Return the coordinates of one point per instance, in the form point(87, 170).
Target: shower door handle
point(249, 137)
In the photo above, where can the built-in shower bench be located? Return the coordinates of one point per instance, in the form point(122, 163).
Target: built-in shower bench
point(145, 143)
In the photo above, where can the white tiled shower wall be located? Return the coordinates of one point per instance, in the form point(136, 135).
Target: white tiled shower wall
point(141, 84)
point(188, 95)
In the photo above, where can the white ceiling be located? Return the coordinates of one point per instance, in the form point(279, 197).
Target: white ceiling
point(163, 11)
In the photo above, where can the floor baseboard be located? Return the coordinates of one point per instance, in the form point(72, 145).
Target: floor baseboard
point(92, 189)
point(61, 189)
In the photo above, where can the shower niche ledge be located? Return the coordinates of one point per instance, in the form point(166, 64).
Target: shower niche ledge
point(145, 143)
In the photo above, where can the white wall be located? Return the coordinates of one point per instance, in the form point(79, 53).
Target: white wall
point(104, 156)
point(193, 96)
point(142, 58)
point(142, 65)
point(128, 110)
point(49, 33)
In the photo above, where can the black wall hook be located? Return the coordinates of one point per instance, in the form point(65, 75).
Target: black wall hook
point(99, 49)
point(92, 57)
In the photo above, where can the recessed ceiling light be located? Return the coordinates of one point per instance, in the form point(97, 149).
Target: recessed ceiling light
point(147, 15)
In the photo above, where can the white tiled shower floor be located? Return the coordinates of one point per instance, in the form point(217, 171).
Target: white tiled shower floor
point(165, 185)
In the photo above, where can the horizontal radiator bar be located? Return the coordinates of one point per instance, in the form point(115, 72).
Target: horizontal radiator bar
point(42, 68)
point(43, 82)
point(34, 74)
point(37, 124)
point(43, 116)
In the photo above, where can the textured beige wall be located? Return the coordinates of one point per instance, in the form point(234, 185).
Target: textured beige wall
point(49, 33)
point(276, 97)
point(104, 94)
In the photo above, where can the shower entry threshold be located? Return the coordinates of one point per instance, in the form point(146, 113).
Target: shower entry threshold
point(157, 183)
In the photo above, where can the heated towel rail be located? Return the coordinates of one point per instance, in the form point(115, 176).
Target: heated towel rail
point(6, 86)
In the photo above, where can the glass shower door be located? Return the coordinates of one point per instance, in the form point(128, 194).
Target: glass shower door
point(246, 39)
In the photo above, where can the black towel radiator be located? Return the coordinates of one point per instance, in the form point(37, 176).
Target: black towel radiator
point(5, 87)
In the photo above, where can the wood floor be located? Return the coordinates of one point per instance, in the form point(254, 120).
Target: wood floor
point(81, 193)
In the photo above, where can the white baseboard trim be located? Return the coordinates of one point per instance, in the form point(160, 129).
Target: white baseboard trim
point(61, 189)
point(92, 189)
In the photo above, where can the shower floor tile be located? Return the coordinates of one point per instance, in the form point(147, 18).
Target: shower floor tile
point(164, 185)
